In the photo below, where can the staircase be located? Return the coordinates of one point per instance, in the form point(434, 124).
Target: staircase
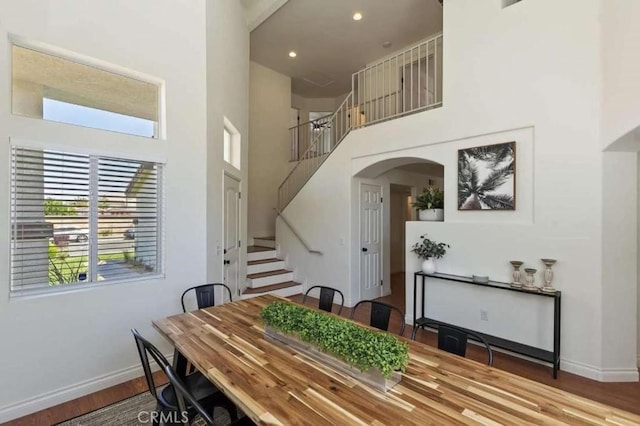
point(396, 86)
point(266, 273)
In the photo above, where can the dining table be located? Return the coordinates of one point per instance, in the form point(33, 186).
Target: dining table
point(273, 384)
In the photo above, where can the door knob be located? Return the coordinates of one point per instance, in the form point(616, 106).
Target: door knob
point(227, 262)
point(365, 249)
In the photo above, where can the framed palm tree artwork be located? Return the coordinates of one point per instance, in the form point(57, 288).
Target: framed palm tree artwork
point(487, 178)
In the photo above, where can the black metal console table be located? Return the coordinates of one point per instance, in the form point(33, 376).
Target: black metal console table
point(552, 357)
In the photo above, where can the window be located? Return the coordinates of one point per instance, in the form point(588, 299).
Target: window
point(231, 143)
point(82, 219)
point(53, 88)
point(227, 146)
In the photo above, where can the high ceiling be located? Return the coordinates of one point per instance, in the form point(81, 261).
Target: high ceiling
point(331, 45)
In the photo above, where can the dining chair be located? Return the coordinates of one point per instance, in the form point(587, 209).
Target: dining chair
point(202, 390)
point(380, 314)
point(183, 393)
point(327, 295)
point(205, 295)
point(454, 339)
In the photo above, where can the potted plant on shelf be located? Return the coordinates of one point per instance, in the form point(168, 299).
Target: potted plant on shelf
point(429, 250)
point(430, 204)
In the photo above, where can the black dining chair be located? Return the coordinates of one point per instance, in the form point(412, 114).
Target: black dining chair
point(380, 314)
point(327, 296)
point(205, 295)
point(454, 339)
point(183, 393)
point(202, 390)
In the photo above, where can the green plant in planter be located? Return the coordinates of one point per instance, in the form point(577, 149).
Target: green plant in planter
point(358, 346)
point(427, 249)
point(429, 198)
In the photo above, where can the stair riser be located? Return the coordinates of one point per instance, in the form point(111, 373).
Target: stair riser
point(261, 255)
point(283, 292)
point(264, 243)
point(270, 280)
point(265, 267)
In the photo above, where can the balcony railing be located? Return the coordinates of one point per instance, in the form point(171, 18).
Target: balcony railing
point(402, 84)
point(408, 82)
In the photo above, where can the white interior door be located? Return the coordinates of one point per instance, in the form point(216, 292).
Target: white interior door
point(370, 241)
point(231, 233)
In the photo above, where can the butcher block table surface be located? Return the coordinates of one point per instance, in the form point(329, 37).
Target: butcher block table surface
point(273, 384)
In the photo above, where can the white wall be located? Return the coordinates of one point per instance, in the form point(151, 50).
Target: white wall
point(59, 347)
point(546, 98)
point(269, 146)
point(621, 67)
point(227, 68)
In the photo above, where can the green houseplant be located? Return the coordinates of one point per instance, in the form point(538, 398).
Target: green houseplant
point(428, 250)
point(430, 204)
point(358, 346)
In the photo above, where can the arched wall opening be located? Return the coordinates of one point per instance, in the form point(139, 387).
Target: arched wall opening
point(384, 193)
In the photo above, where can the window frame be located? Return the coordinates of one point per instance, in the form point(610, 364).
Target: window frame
point(47, 49)
point(94, 154)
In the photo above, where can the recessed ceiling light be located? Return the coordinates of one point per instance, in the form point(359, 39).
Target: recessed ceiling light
point(357, 16)
point(386, 44)
point(292, 54)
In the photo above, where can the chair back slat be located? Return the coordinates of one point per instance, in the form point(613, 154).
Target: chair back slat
point(327, 297)
point(452, 340)
point(380, 314)
point(205, 295)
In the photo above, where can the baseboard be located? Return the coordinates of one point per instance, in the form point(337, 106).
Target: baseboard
point(600, 374)
point(68, 393)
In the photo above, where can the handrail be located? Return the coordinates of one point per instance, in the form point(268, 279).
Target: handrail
point(311, 121)
point(398, 85)
point(304, 243)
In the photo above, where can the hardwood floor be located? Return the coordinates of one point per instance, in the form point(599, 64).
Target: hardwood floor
point(620, 395)
point(87, 403)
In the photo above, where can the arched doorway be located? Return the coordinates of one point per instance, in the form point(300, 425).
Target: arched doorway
point(383, 195)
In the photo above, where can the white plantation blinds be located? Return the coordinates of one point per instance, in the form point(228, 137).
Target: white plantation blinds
point(81, 219)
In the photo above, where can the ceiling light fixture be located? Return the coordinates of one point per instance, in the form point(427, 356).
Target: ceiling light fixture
point(357, 16)
point(292, 54)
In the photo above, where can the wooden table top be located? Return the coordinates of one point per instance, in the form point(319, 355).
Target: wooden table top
point(273, 384)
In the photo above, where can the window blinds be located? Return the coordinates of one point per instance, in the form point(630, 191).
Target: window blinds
point(80, 219)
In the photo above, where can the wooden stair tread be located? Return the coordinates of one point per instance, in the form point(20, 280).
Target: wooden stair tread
point(268, 288)
point(257, 249)
point(265, 238)
point(268, 273)
point(260, 262)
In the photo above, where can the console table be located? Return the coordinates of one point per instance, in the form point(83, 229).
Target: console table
point(552, 357)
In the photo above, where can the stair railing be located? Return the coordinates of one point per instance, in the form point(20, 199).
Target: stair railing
point(297, 234)
point(402, 84)
point(325, 139)
point(302, 135)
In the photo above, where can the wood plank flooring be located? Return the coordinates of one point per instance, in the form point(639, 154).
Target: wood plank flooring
point(625, 396)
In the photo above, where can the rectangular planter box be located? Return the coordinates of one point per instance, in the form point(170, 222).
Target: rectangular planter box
point(372, 378)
